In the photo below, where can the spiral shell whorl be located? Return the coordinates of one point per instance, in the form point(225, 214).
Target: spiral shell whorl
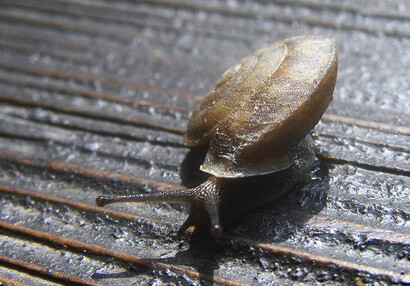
point(263, 106)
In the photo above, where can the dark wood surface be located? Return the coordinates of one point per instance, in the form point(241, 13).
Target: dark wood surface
point(95, 97)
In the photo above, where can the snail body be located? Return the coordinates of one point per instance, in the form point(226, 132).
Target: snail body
point(256, 121)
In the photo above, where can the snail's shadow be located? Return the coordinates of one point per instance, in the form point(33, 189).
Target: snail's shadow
point(286, 217)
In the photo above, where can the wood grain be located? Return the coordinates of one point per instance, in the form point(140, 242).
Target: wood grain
point(95, 97)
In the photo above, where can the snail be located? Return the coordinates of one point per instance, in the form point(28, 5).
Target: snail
point(256, 122)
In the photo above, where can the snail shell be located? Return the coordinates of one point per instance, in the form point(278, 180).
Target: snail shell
point(263, 105)
point(256, 120)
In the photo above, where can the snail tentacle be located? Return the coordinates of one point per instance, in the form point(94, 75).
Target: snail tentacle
point(177, 196)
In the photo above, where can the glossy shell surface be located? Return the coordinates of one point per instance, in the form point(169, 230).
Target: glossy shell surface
point(263, 106)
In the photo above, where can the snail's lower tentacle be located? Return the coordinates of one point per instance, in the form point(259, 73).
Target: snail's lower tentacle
point(188, 223)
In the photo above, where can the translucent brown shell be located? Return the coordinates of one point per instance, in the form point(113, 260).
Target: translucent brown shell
point(264, 105)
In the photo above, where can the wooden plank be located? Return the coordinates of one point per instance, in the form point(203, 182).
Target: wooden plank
point(95, 97)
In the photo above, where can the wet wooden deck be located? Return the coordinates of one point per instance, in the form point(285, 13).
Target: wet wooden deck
point(95, 97)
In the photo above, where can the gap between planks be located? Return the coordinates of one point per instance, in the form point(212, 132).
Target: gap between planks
point(43, 272)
